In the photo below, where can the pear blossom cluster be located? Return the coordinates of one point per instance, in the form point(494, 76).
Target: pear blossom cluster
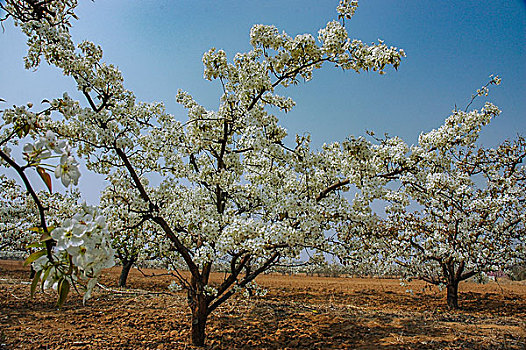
point(20, 122)
point(81, 245)
point(79, 234)
point(347, 8)
point(67, 170)
point(82, 237)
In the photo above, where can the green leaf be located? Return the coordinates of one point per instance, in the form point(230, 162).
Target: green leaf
point(35, 229)
point(46, 274)
point(63, 291)
point(23, 130)
point(34, 283)
point(35, 256)
point(45, 177)
point(36, 245)
point(45, 237)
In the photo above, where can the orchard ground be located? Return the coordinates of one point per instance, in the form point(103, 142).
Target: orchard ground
point(299, 312)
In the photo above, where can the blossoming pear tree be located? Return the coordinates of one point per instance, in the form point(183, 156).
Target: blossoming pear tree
point(231, 190)
point(460, 209)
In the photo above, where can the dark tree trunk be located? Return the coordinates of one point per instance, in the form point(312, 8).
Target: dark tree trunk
point(452, 295)
point(126, 267)
point(199, 317)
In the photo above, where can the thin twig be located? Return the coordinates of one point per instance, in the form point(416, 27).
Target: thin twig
point(133, 291)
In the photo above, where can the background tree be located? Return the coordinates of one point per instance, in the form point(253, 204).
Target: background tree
point(135, 239)
point(19, 214)
point(460, 209)
point(14, 223)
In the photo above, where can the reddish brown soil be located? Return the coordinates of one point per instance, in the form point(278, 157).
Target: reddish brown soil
point(298, 313)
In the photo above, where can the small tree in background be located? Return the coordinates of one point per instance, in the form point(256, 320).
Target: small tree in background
point(460, 209)
point(135, 239)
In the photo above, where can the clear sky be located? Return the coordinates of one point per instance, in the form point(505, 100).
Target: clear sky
point(452, 47)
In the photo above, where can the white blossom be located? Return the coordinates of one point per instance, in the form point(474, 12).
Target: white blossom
point(67, 170)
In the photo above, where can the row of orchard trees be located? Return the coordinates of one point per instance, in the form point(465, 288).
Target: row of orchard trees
point(231, 191)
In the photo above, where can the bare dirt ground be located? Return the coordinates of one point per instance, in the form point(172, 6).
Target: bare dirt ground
point(298, 313)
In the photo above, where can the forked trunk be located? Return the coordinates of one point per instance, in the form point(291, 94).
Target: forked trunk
point(126, 267)
point(199, 317)
point(452, 295)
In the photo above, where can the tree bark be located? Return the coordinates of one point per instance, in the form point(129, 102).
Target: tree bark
point(199, 317)
point(452, 295)
point(126, 267)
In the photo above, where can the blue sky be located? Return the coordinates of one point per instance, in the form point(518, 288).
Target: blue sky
point(452, 47)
